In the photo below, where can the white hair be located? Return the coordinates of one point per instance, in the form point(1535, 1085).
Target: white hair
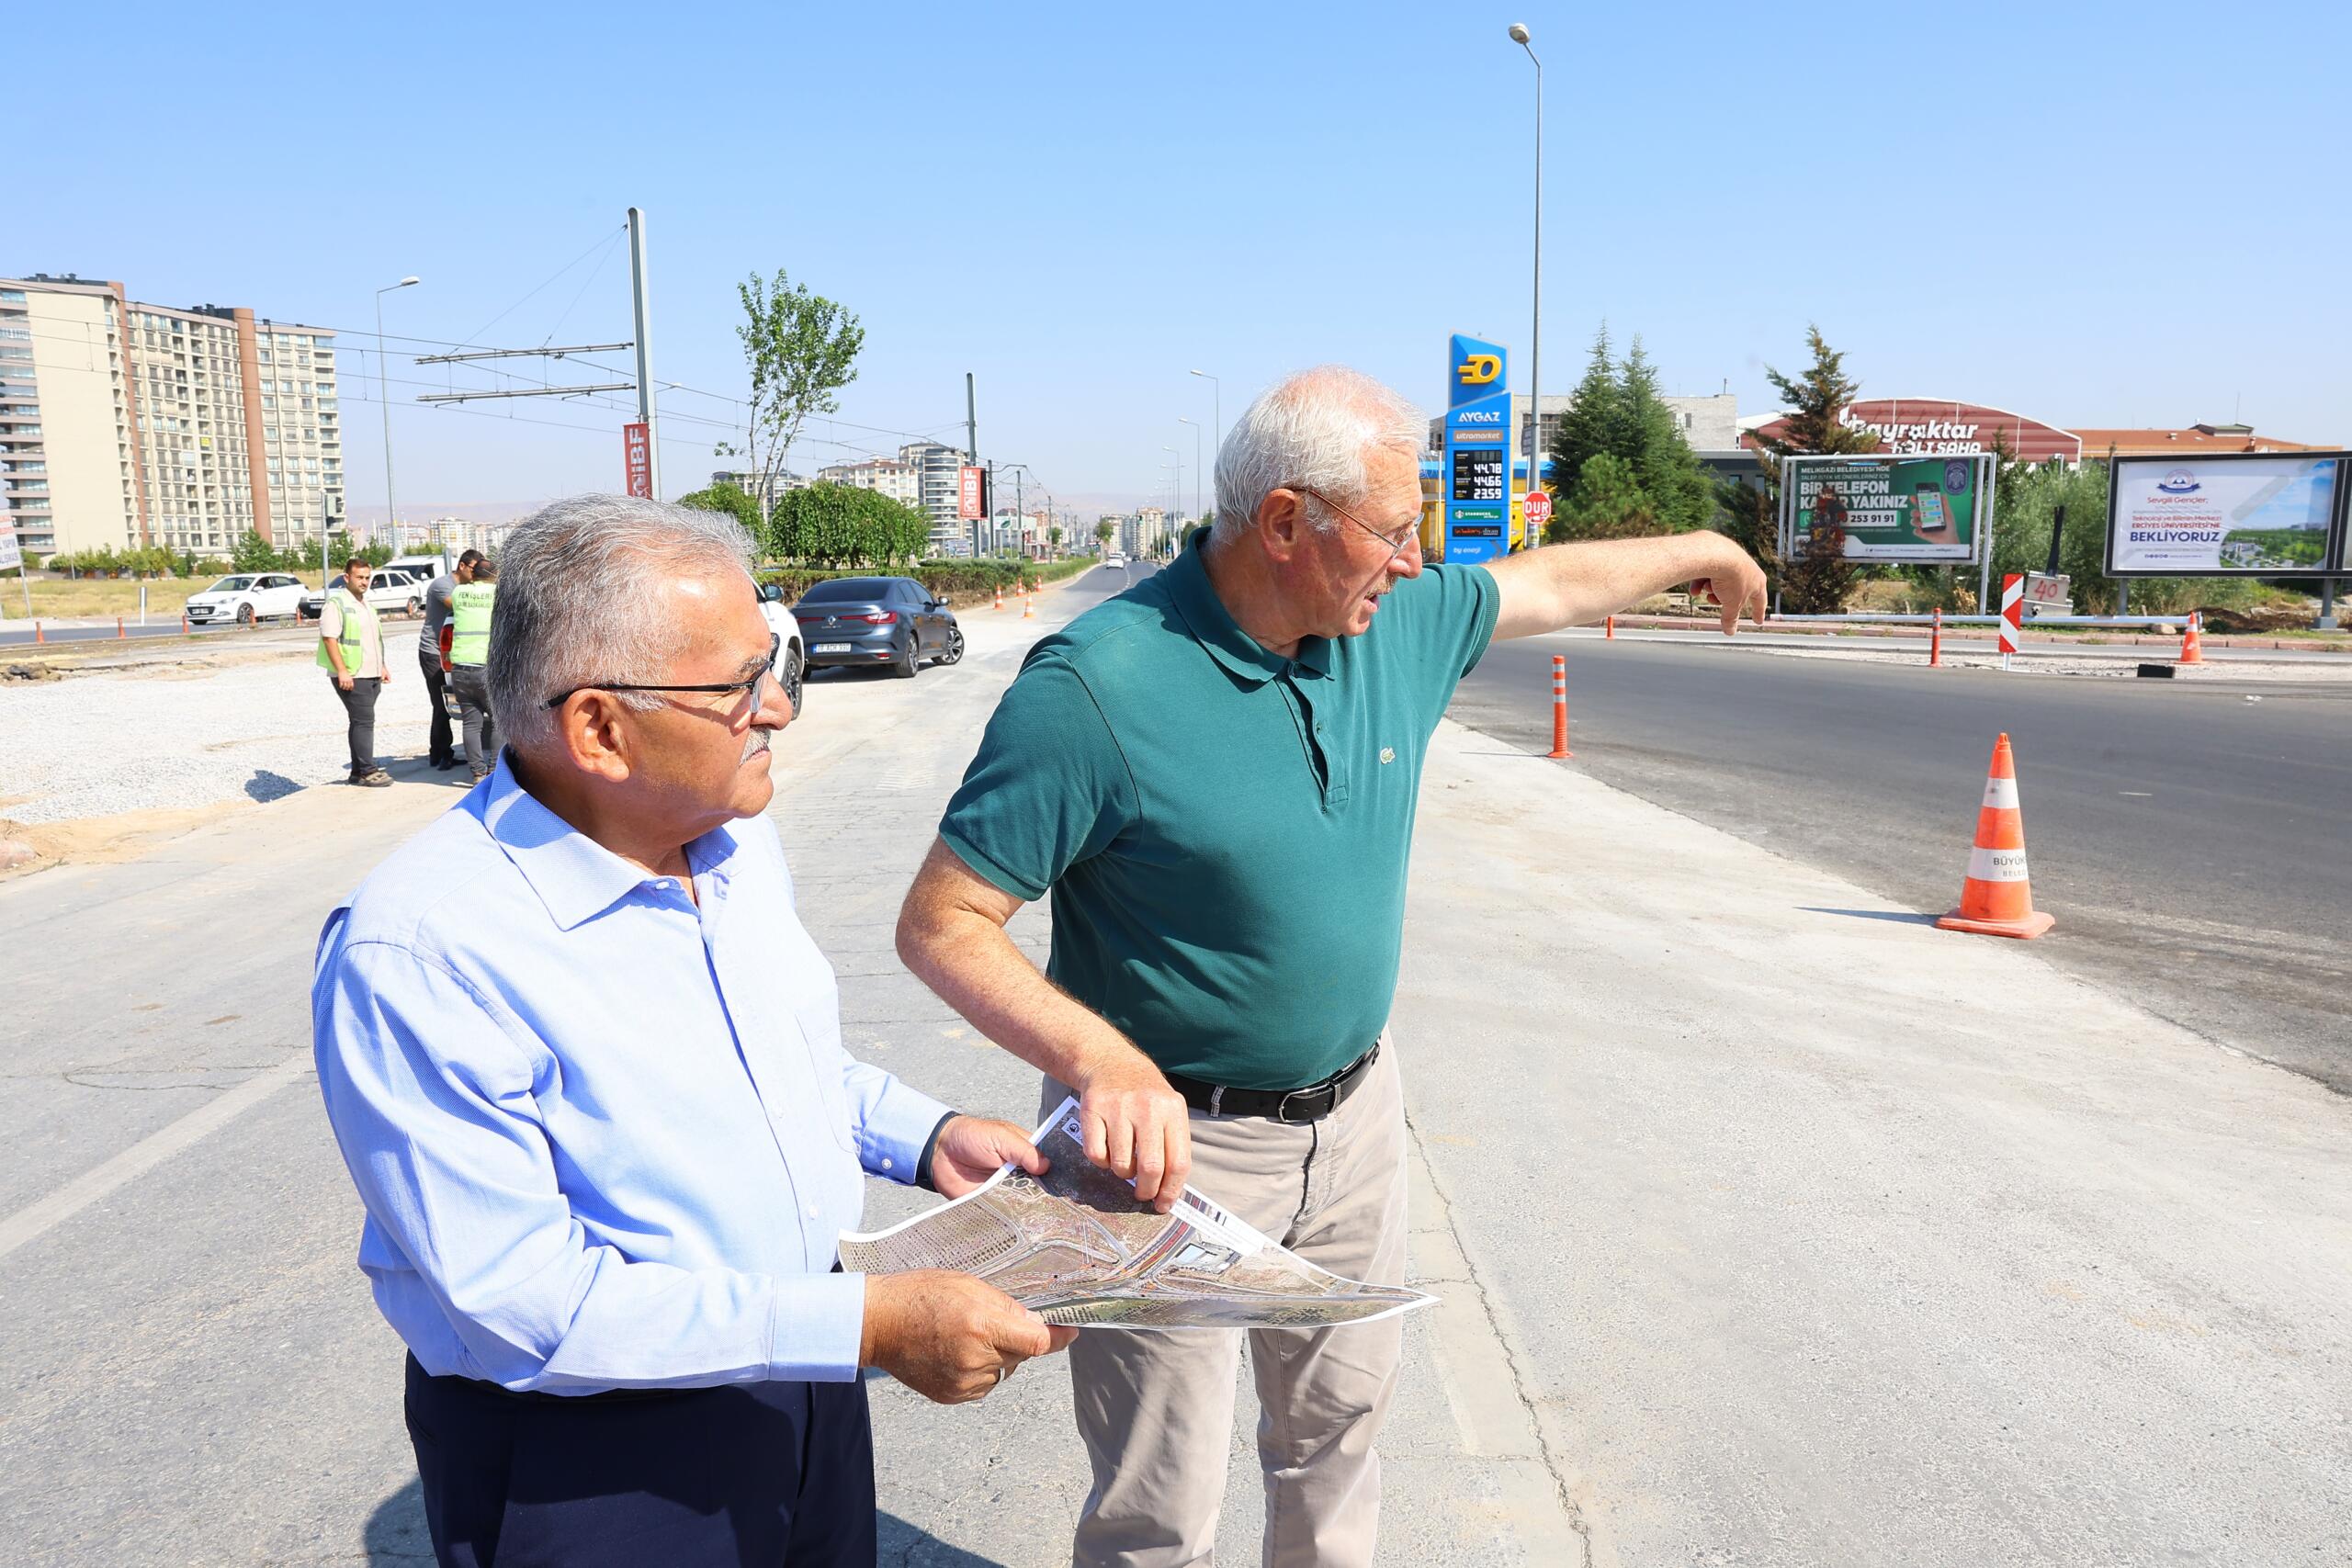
point(574, 606)
point(1310, 430)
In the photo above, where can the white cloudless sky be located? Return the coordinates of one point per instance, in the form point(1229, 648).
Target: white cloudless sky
point(2095, 214)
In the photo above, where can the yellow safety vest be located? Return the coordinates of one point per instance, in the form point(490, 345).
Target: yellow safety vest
point(358, 620)
point(470, 606)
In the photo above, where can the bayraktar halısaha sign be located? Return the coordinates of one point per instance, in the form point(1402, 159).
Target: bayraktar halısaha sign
point(1907, 427)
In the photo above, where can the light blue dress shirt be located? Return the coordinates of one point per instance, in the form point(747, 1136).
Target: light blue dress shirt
point(607, 1137)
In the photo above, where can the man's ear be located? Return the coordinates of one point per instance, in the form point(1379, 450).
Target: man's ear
point(592, 733)
point(1282, 524)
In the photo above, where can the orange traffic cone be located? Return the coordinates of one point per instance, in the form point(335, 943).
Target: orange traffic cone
point(1000, 595)
point(1029, 606)
point(1997, 899)
point(2192, 645)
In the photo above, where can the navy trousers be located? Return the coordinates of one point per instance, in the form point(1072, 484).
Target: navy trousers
point(776, 1474)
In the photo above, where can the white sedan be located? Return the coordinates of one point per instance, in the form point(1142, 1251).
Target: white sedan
point(247, 598)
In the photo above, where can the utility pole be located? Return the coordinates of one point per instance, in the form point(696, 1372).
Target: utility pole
point(644, 348)
point(1020, 509)
point(972, 454)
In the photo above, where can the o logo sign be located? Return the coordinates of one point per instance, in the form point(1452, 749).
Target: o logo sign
point(1478, 369)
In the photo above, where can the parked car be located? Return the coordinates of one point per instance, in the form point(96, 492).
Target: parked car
point(792, 652)
point(246, 598)
point(872, 621)
point(390, 588)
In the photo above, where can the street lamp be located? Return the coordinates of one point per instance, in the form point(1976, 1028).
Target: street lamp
point(1519, 34)
point(383, 400)
point(1217, 404)
point(1196, 465)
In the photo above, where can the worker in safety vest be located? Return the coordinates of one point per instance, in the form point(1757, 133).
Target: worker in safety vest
point(467, 635)
point(351, 649)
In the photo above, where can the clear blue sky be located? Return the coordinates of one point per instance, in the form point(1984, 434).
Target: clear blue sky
point(2004, 203)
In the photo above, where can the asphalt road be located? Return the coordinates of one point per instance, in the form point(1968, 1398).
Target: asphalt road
point(131, 630)
point(2190, 842)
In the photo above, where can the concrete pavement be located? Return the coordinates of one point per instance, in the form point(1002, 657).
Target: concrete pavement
point(1762, 1238)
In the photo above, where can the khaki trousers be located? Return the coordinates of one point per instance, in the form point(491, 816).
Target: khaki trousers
point(1155, 1409)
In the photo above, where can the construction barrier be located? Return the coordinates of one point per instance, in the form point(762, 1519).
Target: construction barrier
point(1559, 708)
point(1996, 899)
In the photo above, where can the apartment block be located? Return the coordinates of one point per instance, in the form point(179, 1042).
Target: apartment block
point(151, 425)
point(902, 482)
point(938, 482)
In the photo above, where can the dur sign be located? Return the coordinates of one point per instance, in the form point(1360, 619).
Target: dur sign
point(2251, 515)
point(1917, 509)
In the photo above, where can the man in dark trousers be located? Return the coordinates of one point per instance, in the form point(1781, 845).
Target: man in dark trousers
point(437, 595)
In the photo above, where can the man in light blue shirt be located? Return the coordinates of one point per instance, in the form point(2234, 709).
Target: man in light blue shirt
point(585, 1067)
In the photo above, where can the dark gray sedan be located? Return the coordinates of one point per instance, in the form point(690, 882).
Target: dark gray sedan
point(881, 622)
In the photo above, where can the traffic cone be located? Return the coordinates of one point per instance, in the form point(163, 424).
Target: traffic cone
point(1000, 595)
point(1029, 606)
point(183, 623)
point(1609, 629)
point(1997, 899)
point(1936, 641)
point(37, 633)
point(118, 633)
point(1559, 709)
point(2192, 644)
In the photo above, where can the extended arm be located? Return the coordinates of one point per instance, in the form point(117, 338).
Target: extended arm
point(1567, 585)
point(951, 934)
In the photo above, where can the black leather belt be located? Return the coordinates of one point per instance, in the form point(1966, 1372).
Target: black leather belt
point(1312, 1103)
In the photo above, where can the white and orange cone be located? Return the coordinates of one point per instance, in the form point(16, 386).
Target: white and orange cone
point(2192, 641)
point(1029, 606)
point(1997, 898)
point(1000, 595)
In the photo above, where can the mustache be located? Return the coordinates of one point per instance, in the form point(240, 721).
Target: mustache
point(753, 744)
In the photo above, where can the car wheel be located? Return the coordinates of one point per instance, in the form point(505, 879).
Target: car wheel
point(908, 661)
point(246, 615)
point(954, 645)
point(793, 678)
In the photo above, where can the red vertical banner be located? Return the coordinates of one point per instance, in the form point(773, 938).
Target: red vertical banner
point(970, 506)
point(637, 456)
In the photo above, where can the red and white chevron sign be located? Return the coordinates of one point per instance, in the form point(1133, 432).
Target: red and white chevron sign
point(2012, 613)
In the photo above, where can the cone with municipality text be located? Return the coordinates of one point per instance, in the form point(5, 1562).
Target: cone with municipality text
point(1997, 899)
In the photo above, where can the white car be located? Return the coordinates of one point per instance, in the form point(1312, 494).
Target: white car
point(247, 598)
point(390, 588)
point(791, 653)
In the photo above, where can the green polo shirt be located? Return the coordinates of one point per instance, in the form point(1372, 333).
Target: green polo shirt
point(1225, 831)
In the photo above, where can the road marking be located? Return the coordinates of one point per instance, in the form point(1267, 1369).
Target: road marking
point(36, 1220)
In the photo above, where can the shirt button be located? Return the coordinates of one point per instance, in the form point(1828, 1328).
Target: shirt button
point(886, 1162)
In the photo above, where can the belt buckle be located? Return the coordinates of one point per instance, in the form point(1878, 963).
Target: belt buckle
point(1282, 1107)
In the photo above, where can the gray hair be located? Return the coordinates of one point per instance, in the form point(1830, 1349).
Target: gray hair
point(1310, 430)
point(573, 606)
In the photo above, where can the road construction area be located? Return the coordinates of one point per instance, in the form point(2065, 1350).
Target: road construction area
point(1772, 1226)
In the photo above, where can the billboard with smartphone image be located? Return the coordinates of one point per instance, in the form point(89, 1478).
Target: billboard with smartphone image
point(1889, 508)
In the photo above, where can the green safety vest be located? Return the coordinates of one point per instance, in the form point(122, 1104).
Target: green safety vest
point(358, 620)
point(469, 622)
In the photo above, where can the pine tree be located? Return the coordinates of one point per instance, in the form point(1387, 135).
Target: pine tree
point(1652, 444)
point(1590, 425)
point(1607, 502)
point(1821, 577)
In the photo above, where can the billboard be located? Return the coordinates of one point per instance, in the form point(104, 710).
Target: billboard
point(1946, 427)
point(1891, 508)
point(11, 553)
point(636, 460)
point(970, 504)
point(2247, 515)
point(1474, 485)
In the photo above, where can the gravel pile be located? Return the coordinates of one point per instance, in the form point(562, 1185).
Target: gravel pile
point(185, 736)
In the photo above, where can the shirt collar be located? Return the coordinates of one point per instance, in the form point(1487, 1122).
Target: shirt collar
point(576, 877)
point(1214, 627)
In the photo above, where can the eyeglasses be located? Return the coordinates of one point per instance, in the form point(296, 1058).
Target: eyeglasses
point(750, 688)
point(1396, 543)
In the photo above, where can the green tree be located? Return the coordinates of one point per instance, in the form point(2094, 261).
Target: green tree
point(1591, 425)
point(1651, 442)
point(253, 553)
point(1054, 538)
point(1605, 502)
point(801, 349)
point(1103, 532)
point(738, 504)
point(1819, 579)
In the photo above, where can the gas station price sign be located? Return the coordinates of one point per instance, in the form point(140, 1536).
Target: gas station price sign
point(1476, 482)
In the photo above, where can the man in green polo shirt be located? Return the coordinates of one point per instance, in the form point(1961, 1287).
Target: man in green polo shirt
point(1214, 777)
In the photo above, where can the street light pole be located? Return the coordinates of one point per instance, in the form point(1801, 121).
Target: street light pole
point(1196, 465)
point(383, 401)
point(1216, 407)
point(1519, 34)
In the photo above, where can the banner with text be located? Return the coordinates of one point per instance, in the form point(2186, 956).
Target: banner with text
point(636, 460)
point(1916, 509)
point(2265, 516)
point(971, 502)
point(11, 553)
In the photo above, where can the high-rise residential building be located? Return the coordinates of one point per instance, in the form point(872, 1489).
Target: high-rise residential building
point(902, 482)
point(938, 484)
point(127, 424)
